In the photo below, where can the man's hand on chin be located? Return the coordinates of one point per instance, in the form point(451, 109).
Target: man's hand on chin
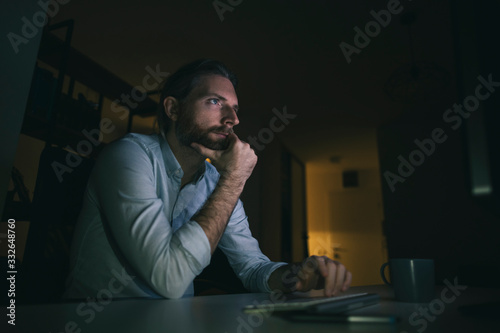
point(235, 163)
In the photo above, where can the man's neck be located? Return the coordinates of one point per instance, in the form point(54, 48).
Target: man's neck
point(189, 159)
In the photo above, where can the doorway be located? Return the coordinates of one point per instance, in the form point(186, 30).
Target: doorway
point(345, 223)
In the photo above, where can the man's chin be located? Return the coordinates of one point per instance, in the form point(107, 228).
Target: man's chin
point(218, 145)
point(214, 145)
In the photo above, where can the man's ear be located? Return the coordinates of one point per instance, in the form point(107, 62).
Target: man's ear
point(171, 107)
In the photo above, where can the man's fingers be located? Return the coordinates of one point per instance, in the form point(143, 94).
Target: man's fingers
point(347, 282)
point(322, 265)
point(305, 280)
point(232, 137)
point(331, 278)
point(340, 278)
point(322, 272)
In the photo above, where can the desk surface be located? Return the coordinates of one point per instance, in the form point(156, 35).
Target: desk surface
point(223, 314)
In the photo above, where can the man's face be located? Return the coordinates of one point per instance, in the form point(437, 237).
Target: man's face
point(208, 114)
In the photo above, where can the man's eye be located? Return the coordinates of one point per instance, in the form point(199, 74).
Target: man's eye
point(213, 101)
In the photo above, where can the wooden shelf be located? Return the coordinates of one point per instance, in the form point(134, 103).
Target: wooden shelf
point(89, 73)
point(69, 117)
point(38, 127)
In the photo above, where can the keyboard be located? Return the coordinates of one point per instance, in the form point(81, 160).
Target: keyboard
point(314, 303)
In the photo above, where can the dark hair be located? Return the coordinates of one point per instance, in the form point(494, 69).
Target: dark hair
point(185, 79)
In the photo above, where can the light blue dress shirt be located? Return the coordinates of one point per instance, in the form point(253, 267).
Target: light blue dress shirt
point(135, 236)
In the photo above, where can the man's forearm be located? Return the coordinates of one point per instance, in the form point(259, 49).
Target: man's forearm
point(214, 215)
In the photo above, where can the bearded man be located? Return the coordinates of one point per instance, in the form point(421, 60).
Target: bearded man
point(155, 209)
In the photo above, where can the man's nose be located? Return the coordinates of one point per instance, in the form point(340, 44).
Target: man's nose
point(230, 116)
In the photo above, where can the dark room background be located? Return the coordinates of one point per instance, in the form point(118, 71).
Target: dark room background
point(389, 110)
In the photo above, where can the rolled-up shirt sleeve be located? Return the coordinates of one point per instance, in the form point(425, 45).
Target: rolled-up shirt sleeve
point(127, 189)
point(244, 254)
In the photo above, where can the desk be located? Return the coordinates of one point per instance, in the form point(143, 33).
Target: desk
point(223, 314)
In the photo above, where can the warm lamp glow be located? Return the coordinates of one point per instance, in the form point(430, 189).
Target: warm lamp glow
point(319, 243)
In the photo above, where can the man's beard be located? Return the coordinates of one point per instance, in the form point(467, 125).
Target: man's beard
point(187, 132)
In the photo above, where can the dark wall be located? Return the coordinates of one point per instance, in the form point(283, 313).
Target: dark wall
point(429, 209)
point(431, 214)
point(17, 62)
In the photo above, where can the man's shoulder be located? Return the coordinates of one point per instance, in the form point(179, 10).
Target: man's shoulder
point(131, 144)
point(147, 140)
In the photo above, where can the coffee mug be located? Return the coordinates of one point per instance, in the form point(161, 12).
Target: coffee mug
point(412, 279)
